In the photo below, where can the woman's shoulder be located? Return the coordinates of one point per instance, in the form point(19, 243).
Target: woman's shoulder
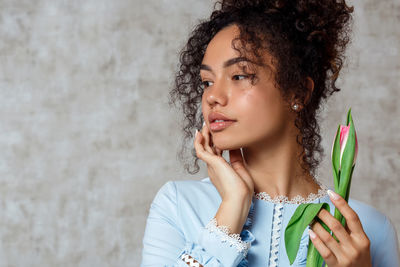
point(367, 211)
point(199, 186)
point(191, 192)
point(376, 224)
point(381, 232)
point(369, 215)
point(194, 189)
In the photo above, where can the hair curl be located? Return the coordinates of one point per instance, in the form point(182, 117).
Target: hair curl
point(306, 38)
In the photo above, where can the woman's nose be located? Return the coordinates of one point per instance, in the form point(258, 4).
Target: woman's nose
point(217, 93)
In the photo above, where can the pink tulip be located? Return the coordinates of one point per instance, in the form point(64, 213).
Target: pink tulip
point(344, 134)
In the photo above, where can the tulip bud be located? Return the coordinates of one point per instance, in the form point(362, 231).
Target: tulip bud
point(344, 134)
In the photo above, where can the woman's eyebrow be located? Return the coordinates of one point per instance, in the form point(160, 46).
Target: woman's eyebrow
point(227, 63)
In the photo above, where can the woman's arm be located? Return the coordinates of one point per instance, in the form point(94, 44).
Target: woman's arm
point(164, 243)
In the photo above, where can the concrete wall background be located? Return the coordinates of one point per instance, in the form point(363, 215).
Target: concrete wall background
point(87, 137)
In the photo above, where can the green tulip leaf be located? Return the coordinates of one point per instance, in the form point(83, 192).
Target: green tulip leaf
point(336, 159)
point(312, 255)
point(348, 186)
point(301, 218)
point(348, 116)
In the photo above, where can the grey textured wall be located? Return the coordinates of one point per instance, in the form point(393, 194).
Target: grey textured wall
point(87, 137)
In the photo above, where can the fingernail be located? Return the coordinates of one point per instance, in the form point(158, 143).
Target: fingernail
point(311, 233)
point(204, 123)
point(333, 195)
point(196, 133)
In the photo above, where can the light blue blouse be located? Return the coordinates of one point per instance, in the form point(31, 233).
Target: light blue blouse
point(180, 221)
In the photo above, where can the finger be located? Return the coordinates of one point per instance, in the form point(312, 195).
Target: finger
point(210, 140)
point(235, 157)
point(215, 149)
point(236, 161)
point(218, 151)
point(206, 134)
point(201, 153)
point(352, 219)
point(325, 252)
point(336, 227)
point(339, 251)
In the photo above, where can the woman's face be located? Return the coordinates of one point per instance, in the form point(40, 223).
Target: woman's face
point(260, 115)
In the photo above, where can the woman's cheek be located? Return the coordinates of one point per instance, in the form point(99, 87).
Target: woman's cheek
point(252, 110)
point(254, 105)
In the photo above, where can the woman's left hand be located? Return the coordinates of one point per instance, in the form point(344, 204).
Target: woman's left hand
point(353, 248)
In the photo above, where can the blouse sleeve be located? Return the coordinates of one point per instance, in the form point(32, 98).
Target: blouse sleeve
point(164, 243)
point(387, 249)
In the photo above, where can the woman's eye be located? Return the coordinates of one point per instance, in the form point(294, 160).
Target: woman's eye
point(245, 76)
point(204, 84)
point(240, 76)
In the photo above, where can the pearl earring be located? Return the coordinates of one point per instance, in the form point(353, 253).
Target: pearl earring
point(295, 107)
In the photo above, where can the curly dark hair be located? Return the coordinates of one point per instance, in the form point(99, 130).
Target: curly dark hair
point(306, 38)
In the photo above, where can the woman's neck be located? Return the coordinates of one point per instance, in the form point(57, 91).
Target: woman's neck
point(276, 170)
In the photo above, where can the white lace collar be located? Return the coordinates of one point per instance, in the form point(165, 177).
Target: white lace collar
point(296, 200)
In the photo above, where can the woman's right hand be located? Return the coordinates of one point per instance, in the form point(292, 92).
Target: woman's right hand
point(232, 181)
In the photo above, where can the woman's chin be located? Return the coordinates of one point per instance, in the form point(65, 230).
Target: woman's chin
point(226, 146)
point(226, 142)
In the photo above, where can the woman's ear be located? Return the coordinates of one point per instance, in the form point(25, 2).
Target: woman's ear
point(310, 89)
point(309, 83)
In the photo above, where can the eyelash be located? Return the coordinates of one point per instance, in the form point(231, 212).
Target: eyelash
point(246, 76)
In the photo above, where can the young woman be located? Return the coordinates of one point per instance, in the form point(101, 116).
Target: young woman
point(260, 70)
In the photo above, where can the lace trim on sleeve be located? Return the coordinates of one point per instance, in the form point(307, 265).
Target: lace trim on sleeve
point(224, 233)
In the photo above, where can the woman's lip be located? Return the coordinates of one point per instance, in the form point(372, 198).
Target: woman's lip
point(218, 116)
point(219, 126)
